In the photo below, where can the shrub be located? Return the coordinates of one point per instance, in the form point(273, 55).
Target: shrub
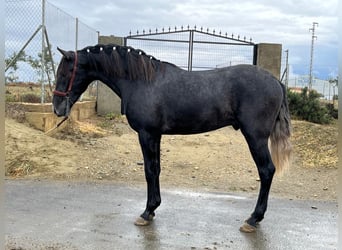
point(31, 98)
point(332, 111)
point(110, 116)
point(10, 98)
point(306, 106)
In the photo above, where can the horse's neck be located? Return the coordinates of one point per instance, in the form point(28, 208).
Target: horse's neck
point(122, 85)
point(113, 85)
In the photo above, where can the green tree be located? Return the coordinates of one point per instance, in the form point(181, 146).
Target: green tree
point(12, 64)
point(36, 63)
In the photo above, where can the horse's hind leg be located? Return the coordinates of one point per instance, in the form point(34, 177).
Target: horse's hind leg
point(261, 155)
point(150, 145)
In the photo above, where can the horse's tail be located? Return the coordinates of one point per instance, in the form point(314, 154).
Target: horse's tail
point(281, 147)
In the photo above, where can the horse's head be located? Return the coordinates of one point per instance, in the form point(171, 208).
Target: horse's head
point(72, 81)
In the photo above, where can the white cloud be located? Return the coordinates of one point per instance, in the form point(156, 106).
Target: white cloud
point(282, 22)
point(286, 22)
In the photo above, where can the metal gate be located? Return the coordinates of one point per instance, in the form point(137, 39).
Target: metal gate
point(194, 49)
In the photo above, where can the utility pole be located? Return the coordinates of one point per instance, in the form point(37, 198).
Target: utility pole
point(314, 24)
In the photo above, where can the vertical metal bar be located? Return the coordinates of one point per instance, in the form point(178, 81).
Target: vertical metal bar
point(255, 54)
point(76, 38)
point(43, 54)
point(51, 61)
point(287, 69)
point(76, 46)
point(329, 91)
point(191, 48)
point(50, 53)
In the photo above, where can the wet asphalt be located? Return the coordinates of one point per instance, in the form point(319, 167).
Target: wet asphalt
point(61, 215)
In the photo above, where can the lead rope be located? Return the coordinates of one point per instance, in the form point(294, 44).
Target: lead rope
point(58, 124)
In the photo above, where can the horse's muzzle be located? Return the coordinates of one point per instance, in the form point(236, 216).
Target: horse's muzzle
point(61, 105)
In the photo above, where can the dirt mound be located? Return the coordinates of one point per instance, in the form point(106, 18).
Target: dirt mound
point(31, 153)
point(316, 144)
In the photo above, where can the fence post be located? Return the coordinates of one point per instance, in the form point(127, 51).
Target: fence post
point(43, 54)
point(76, 38)
point(269, 57)
point(191, 48)
point(107, 100)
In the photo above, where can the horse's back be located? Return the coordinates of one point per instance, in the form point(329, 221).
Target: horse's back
point(230, 88)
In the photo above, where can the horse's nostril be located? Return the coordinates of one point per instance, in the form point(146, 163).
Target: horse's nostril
point(55, 111)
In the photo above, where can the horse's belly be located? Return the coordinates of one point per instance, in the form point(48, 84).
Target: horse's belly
point(192, 124)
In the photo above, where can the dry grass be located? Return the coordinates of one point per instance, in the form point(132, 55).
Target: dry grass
point(21, 166)
point(316, 144)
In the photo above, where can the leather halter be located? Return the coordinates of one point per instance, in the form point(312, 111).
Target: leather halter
point(60, 93)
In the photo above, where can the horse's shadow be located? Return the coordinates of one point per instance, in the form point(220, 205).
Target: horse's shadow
point(150, 237)
point(257, 240)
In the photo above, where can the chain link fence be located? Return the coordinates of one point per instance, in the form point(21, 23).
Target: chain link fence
point(33, 30)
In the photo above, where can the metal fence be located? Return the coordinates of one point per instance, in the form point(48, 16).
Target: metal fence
point(194, 48)
point(34, 28)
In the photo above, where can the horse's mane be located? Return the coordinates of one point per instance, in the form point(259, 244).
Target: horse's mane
point(122, 61)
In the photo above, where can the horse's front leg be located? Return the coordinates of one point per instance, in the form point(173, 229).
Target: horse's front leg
point(150, 145)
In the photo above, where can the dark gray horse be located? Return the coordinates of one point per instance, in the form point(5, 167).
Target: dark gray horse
point(160, 98)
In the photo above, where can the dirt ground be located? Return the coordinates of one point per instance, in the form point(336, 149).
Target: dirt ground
point(106, 149)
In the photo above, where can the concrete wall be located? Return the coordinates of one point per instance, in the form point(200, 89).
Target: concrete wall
point(269, 57)
point(107, 100)
point(111, 39)
point(41, 117)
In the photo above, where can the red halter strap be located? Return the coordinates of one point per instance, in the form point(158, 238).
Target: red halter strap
point(60, 93)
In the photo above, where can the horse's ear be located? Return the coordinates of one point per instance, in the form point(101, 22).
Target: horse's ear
point(66, 54)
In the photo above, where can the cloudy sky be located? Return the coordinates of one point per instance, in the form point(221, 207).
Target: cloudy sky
point(286, 22)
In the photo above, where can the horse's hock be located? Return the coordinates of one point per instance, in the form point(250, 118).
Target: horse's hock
point(41, 117)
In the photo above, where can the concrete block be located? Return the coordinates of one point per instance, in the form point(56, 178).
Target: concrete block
point(41, 121)
point(36, 107)
point(45, 121)
point(269, 57)
point(107, 100)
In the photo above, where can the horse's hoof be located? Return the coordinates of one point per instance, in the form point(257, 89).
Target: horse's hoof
point(142, 222)
point(246, 228)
